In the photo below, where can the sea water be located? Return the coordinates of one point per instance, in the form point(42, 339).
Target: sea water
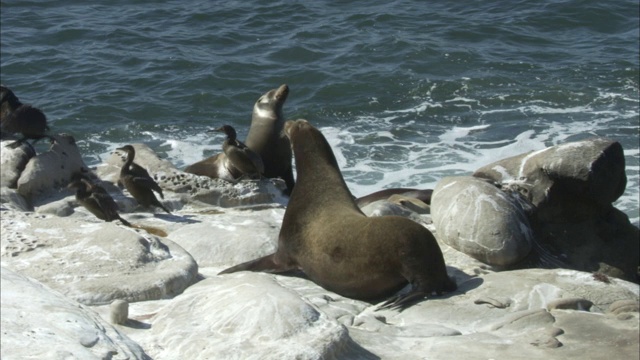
point(406, 92)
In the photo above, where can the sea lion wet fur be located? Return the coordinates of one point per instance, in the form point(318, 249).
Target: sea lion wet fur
point(325, 235)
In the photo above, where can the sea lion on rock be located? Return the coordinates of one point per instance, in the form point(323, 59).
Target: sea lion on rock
point(267, 139)
point(138, 181)
point(325, 235)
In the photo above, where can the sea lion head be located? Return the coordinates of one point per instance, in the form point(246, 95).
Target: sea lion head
point(270, 104)
point(308, 142)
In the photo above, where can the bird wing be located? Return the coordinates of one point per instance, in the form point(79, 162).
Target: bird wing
point(149, 183)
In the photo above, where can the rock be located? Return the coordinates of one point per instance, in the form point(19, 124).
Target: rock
point(40, 323)
point(196, 189)
point(95, 262)
point(232, 237)
point(13, 162)
point(119, 312)
point(246, 316)
point(47, 172)
point(565, 182)
point(475, 217)
point(571, 188)
point(523, 330)
point(60, 208)
point(11, 200)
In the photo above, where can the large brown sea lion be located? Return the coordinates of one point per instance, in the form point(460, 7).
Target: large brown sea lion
point(325, 235)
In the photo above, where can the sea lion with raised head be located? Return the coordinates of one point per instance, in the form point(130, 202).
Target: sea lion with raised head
point(325, 235)
point(267, 139)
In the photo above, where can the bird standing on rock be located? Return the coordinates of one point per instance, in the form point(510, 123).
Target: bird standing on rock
point(16, 117)
point(138, 182)
point(96, 199)
point(240, 156)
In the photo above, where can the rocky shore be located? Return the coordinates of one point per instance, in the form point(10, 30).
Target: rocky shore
point(546, 267)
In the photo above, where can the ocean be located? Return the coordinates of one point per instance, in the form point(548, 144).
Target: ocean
point(406, 92)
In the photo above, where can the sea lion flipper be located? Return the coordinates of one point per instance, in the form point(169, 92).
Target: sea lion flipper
point(402, 301)
point(264, 264)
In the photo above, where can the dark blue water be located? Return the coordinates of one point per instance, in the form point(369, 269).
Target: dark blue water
point(406, 91)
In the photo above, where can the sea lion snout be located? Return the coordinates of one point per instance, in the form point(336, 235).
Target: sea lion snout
point(282, 92)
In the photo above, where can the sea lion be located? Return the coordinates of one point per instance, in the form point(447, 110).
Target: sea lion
point(423, 195)
point(138, 181)
point(325, 235)
point(266, 138)
point(16, 117)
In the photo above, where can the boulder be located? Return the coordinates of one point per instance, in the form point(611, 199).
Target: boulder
point(229, 237)
point(245, 316)
point(41, 323)
point(477, 218)
point(571, 188)
point(567, 182)
point(194, 189)
point(13, 162)
point(94, 262)
point(47, 172)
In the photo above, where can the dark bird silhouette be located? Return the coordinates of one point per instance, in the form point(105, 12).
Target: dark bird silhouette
point(245, 160)
point(138, 182)
point(96, 199)
point(16, 117)
point(8, 102)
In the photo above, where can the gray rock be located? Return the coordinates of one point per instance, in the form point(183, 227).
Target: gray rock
point(95, 262)
point(475, 217)
point(255, 232)
point(570, 188)
point(11, 200)
point(119, 312)
point(51, 170)
point(13, 162)
point(565, 182)
point(40, 323)
point(193, 188)
point(246, 316)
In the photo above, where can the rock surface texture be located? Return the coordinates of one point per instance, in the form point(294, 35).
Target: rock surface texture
point(74, 286)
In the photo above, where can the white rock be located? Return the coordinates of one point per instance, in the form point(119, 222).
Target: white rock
point(53, 169)
point(245, 316)
point(94, 262)
point(40, 323)
point(480, 220)
point(228, 237)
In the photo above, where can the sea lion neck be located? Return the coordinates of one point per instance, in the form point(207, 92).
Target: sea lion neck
point(314, 156)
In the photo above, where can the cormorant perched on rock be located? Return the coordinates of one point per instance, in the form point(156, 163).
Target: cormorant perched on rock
point(240, 156)
point(16, 117)
point(138, 181)
point(96, 199)
point(8, 102)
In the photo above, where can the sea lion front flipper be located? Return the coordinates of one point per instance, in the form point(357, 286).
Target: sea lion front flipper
point(264, 264)
point(403, 301)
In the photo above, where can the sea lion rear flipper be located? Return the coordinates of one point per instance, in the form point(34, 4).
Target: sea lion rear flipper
point(264, 264)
